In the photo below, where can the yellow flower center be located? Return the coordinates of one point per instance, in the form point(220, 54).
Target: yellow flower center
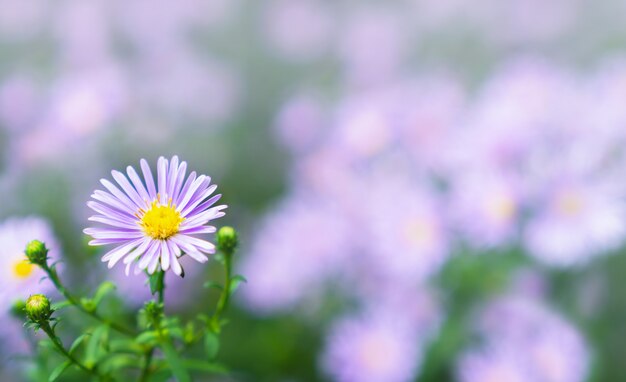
point(569, 203)
point(502, 208)
point(161, 222)
point(419, 232)
point(22, 269)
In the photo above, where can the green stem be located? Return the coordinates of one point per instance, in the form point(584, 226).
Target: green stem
point(57, 342)
point(161, 284)
point(145, 372)
point(222, 303)
point(52, 274)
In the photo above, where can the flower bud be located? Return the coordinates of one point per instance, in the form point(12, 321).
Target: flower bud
point(38, 308)
point(152, 312)
point(227, 240)
point(36, 252)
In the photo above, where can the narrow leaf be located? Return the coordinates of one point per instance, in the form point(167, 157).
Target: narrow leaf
point(94, 350)
point(214, 285)
point(174, 362)
point(211, 345)
point(61, 305)
point(78, 341)
point(147, 338)
point(104, 289)
point(56, 373)
point(235, 281)
point(200, 365)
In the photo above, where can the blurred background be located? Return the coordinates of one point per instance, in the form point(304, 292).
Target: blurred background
point(427, 190)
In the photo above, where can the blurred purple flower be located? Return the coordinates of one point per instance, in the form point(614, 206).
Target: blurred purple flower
point(575, 221)
point(299, 30)
point(20, 279)
point(19, 100)
point(524, 340)
point(22, 20)
point(300, 122)
point(372, 348)
point(408, 239)
point(298, 247)
point(373, 45)
point(485, 208)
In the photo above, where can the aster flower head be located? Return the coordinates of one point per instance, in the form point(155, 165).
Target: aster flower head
point(153, 224)
point(19, 276)
point(523, 339)
point(371, 348)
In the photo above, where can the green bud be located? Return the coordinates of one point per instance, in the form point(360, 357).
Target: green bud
point(38, 308)
point(227, 240)
point(36, 252)
point(153, 312)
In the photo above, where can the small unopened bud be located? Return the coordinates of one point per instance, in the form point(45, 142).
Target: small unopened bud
point(227, 240)
point(36, 252)
point(38, 308)
point(153, 312)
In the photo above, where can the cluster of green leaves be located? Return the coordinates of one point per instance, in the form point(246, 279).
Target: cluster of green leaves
point(156, 349)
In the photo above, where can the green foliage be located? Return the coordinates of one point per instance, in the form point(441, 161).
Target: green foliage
point(211, 344)
point(156, 350)
point(56, 373)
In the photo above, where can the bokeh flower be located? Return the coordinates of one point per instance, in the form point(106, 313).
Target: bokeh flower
point(576, 221)
point(524, 340)
point(152, 225)
point(373, 348)
point(20, 279)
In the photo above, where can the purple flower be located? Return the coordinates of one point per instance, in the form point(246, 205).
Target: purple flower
point(381, 26)
point(409, 240)
point(373, 348)
point(300, 122)
point(485, 208)
point(19, 277)
point(299, 29)
point(294, 267)
point(576, 221)
point(152, 225)
point(491, 366)
point(524, 340)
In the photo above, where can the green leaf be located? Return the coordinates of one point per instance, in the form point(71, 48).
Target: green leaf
point(189, 333)
point(88, 304)
point(174, 362)
point(113, 361)
point(147, 338)
point(47, 344)
point(195, 364)
point(214, 285)
point(56, 373)
point(78, 341)
point(61, 305)
point(235, 281)
point(126, 346)
point(94, 346)
point(156, 282)
point(104, 289)
point(211, 344)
